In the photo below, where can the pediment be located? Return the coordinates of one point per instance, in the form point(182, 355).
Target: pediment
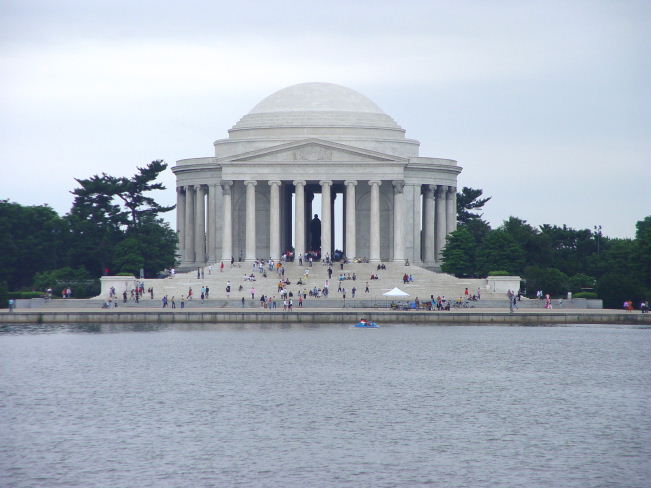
point(313, 150)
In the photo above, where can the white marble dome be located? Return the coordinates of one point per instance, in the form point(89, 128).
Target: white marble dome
point(317, 110)
point(316, 97)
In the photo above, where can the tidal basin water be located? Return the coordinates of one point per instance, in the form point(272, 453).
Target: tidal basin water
point(325, 406)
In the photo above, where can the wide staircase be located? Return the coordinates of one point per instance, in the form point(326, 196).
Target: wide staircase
point(424, 284)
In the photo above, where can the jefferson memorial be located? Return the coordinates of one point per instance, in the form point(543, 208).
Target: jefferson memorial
point(303, 145)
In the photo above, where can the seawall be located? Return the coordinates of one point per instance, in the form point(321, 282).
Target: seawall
point(383, 317)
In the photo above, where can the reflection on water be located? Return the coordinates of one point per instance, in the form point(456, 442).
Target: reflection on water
point(253, 405)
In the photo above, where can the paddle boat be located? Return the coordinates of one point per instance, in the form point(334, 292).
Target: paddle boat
point(367, 324)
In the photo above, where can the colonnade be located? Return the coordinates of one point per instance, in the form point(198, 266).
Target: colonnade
point(197, 214)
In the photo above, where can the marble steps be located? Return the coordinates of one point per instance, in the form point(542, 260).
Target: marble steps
point(425, 282)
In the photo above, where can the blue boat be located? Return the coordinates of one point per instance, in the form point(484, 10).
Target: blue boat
point(367, 324)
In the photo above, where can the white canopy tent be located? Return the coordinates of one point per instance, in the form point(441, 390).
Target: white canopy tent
point(396, 293)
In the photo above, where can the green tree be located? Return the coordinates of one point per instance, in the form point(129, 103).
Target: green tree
point(478, 228)
point(643, 249)
point(549, 280)
point(569, 250)
point(535, 245)
point(615, 287)
point(500, 251)
point(468, 203)
point(133, 193)
point(119, 223)
point(158, 245)
point(128, 256)
point(32, 238)
point(151, 247)
point(459, 253)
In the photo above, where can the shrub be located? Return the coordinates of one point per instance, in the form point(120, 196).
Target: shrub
point(125, 274)
point(25, 294)
point(79, 280)
point(499, 273)
point(585, 294)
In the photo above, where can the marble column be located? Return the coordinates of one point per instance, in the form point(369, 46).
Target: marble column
point(200, 222)
point(374, 229)
point(351, 244)
point(189, 225)
point(451, 210)
point(249, 250)
point(428, 220)
point(287, 226)
point(440, 220)
point(299, 219)
point(211, 223)
point(180, 219)
point(274, 219)
point(227, 233)
point(309, 197)
point(398, 219)
point(326, 218)
point(332, 225)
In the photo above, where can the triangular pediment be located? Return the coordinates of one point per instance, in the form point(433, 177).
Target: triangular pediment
point(313, 150)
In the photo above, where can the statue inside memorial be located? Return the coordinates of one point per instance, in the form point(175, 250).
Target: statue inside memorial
point(315, 233)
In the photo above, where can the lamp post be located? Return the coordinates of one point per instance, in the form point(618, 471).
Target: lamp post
point(597, 230)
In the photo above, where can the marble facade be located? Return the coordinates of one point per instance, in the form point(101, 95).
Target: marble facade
point(307, 142)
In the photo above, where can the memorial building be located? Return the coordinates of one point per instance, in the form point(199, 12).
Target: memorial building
point(307, 144)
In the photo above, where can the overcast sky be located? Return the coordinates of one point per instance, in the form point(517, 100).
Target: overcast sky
point(545, 104)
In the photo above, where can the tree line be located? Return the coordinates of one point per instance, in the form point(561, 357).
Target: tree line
point(114, 226)
point(555, 259)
